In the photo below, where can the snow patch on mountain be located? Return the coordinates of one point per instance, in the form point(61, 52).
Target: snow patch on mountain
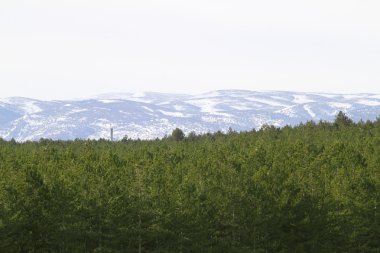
point(368, 102)
point(288, 111)
point(174, 114)
point(270, 102)
point(310, 111)
point(301, 99)
point(147, 108)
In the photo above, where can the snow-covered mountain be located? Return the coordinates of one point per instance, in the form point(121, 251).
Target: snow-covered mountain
point(150, 115)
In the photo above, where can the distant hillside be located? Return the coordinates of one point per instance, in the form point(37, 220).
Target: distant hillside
point(150, 115)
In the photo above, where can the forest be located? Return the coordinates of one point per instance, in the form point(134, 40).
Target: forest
point(314, 187)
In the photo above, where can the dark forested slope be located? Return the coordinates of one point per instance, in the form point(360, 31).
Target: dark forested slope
point(311, 188)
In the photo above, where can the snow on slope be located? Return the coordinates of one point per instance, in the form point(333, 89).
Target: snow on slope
point(150, 115)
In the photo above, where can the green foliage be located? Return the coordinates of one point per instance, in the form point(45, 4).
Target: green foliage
point(311, 188)
point(178, 134)
point(342, 120)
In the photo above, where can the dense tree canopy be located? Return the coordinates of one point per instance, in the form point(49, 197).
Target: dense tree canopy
point(311, 188)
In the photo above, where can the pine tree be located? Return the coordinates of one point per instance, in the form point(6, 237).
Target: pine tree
point(178, 134)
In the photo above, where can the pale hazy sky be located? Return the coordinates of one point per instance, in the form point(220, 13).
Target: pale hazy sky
point(54, 49)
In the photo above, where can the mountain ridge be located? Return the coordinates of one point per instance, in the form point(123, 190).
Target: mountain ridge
point(150, 115)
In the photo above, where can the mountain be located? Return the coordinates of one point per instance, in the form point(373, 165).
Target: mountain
point(150, 115)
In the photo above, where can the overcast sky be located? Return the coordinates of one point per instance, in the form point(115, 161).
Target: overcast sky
point(58, 49)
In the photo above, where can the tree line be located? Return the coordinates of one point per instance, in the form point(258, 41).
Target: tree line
point(309, 188)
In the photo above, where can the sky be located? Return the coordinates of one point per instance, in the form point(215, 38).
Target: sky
point(60, 49)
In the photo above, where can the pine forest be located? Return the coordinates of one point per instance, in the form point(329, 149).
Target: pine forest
point(314, 187)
